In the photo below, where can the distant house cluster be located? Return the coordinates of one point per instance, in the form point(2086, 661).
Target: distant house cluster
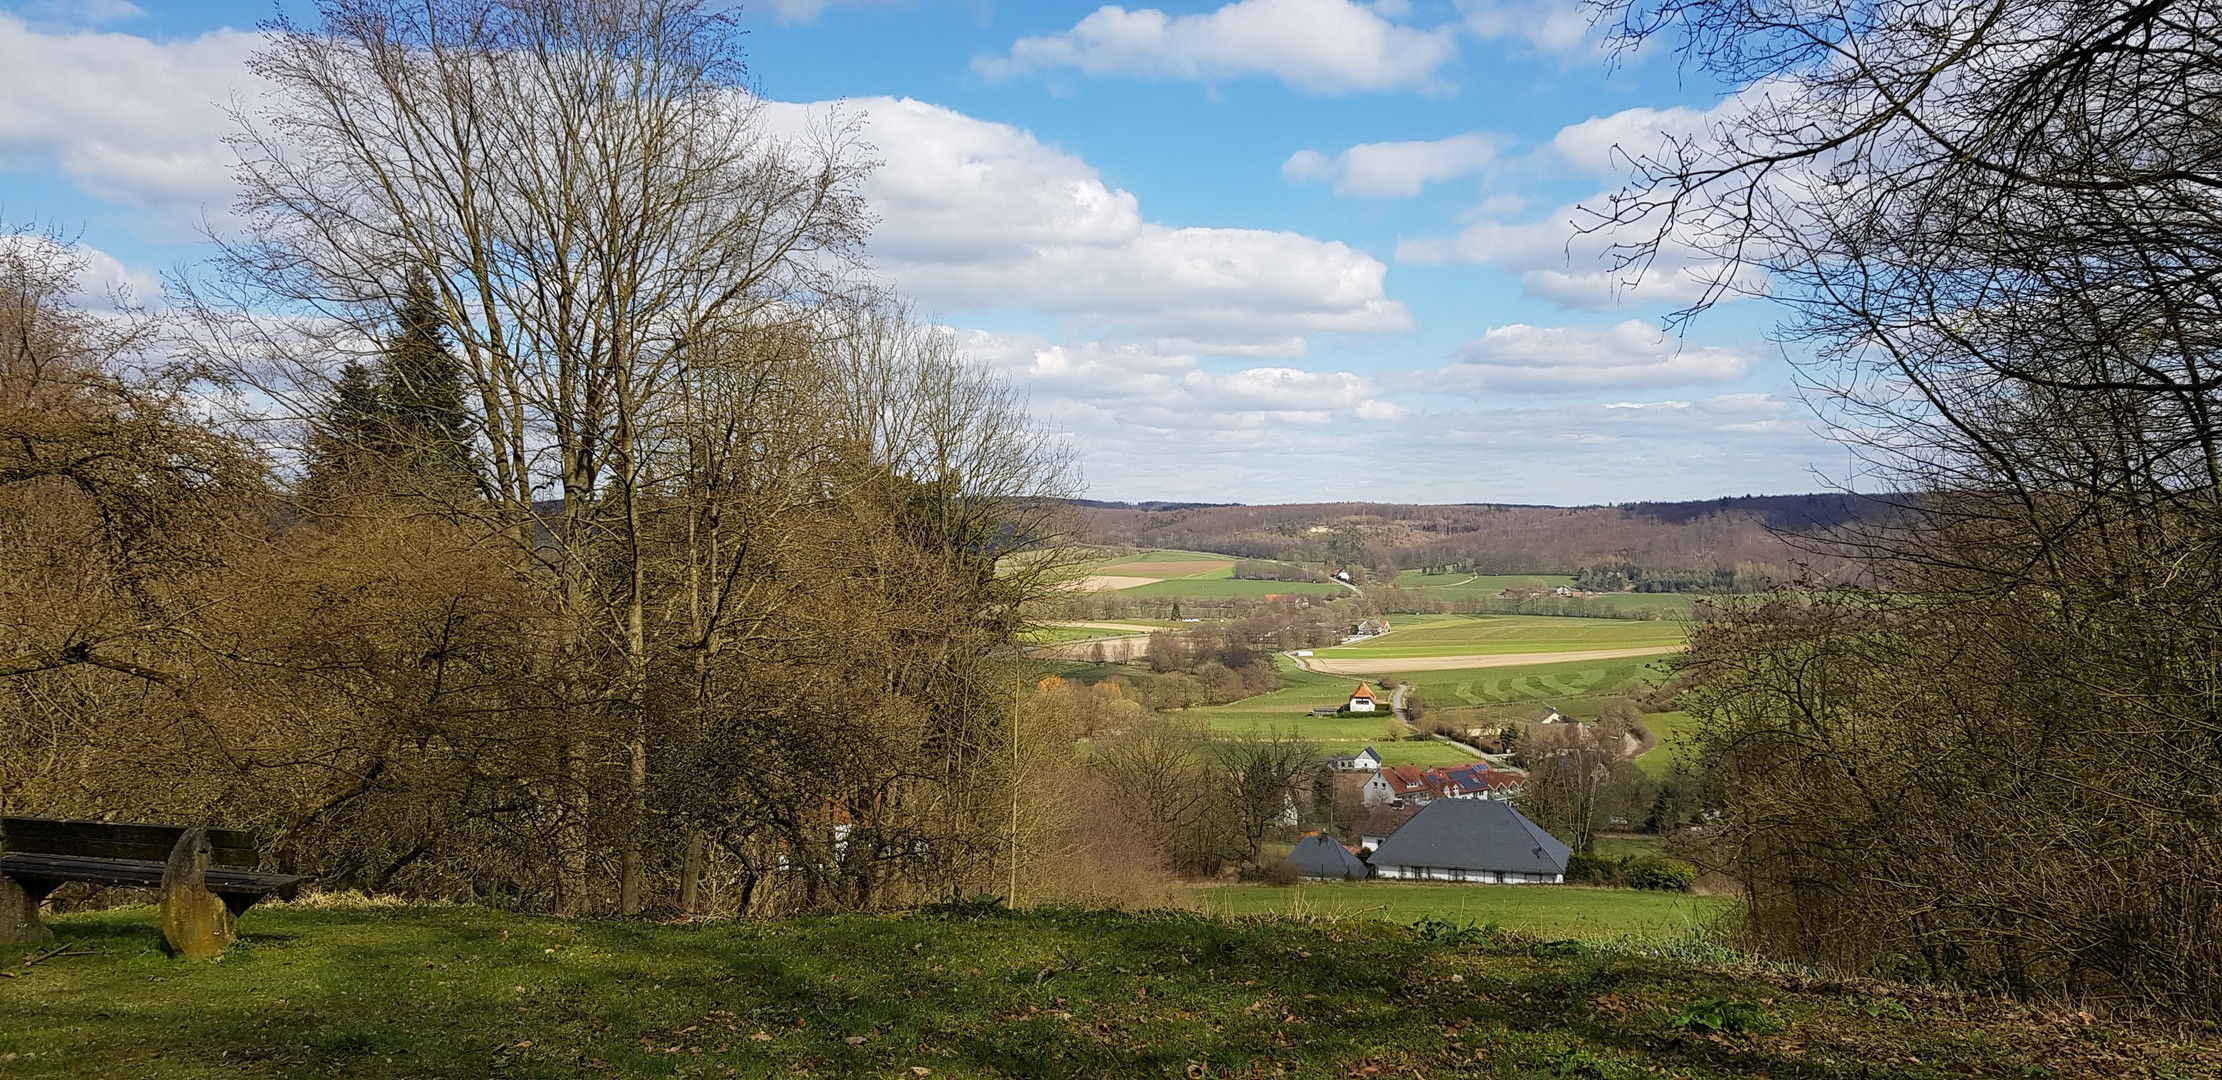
point(1398, 785)
point(1450, 840)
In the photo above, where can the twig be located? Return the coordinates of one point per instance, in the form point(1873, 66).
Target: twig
point(58, 950)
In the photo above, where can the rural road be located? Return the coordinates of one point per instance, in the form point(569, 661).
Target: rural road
point(1390, 664)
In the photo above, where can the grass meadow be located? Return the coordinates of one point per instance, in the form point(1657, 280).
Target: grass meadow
point(1672, 730)
point(1548, 911)
point(393, 992)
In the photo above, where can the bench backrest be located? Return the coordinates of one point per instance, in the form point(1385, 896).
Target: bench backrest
point(120, 840)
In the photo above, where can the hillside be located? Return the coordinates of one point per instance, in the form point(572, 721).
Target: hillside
point(1759, 536)
point(451, 991)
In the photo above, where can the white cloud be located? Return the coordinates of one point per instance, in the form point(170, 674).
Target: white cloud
point(1115, 389)
point(978, 216)
point(127, 119)
point(1316, 46)
point(1606, 144)
point(1522, 359)
point(1396, 169)
point(1553, 26)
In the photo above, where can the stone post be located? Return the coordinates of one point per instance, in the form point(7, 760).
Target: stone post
point(194, 921)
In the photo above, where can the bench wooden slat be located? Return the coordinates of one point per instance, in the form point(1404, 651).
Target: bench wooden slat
point(121, 840)
point(138, 873)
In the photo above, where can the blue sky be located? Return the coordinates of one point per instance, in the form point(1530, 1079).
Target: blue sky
point(1250, 251)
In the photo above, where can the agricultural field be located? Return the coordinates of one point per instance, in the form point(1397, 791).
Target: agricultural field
point(1185, 573)
point(1456, 635)
point(1549, 911)
point(441, 991)
point(1288, 710)
point(1471, 586)
point(1579, 688)
point(1672, 729)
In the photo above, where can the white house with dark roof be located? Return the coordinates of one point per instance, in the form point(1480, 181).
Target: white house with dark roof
point(1479, 840)
point(1365, 760)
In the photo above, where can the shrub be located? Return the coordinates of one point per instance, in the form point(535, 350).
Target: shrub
point(1660, 875)
point(1582, 869)
point(1283, 872)
point(1708, 1015)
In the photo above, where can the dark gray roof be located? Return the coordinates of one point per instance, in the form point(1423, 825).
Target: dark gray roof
point(1319, 856)
point(1473, 834)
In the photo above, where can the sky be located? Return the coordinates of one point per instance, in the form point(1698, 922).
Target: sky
point(1253, 251)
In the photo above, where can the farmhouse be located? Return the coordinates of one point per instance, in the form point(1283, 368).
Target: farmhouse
point(1361, 699)
point(1471, 840)
point(1365, 760)
point(1317, 855)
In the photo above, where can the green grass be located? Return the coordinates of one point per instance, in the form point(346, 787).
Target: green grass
point(1489, 635)
point(1461, 586)
point(440, 992)
point(1549, 911)
point(1673, 730)
point(1051, 635)
point(1154, 556)
point(1579, 688)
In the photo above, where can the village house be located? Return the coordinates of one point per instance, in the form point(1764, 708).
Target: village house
point(1395, 784)
point(1475, 840)
point(1382, 822)
point(1365, 760)
point(1361, 699)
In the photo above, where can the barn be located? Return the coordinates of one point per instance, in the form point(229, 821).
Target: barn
point(1482, 840)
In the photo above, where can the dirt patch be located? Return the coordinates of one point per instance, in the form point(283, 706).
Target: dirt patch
point(1384, 665)
point(1103, 582)
point(1181, 568)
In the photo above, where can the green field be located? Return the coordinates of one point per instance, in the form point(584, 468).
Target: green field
point(1465, 586)
point(1492, 635)
point(1578, 688)
point(1104, 565)
point(1550, 911)
point(1288, 710)
point(1220, 585)
point(386, 993)
point(1673, 730)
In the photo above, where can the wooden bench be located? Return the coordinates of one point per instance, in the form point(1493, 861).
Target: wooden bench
point(40, 854)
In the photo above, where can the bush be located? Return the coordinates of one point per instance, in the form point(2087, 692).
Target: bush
point(1659, 875)
point(1283, 872)
point(1592, 870)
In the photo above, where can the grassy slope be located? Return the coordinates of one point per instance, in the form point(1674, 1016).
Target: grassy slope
point(1461, 586)
point(466, 992)
point(1289, 710)
point(1672, 730)
point(1578, 687)
point(1552, 912)
point(1224, 586)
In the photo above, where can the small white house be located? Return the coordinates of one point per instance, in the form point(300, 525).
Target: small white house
point(1365, 760)
point(1361, 699)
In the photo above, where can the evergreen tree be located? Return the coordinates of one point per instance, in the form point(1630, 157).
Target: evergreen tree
point(350, 444)
point(423, 386)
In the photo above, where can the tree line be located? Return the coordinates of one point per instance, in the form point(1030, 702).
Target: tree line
point(1998, 763)
point(531, 501)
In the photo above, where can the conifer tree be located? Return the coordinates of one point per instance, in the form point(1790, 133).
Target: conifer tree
point(423, 387)
point(350, 443)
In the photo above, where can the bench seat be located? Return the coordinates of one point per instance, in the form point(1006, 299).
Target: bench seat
point(25, 869)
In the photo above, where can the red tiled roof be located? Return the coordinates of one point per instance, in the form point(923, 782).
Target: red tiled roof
point(1363, 691)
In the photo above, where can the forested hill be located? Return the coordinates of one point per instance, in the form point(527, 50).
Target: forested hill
point(1755, 534)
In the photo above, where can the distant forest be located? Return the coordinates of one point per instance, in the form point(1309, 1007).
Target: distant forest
point(1739, 543)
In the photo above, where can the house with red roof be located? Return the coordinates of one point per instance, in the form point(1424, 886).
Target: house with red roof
point(1397, 784)
point(1361, 699)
